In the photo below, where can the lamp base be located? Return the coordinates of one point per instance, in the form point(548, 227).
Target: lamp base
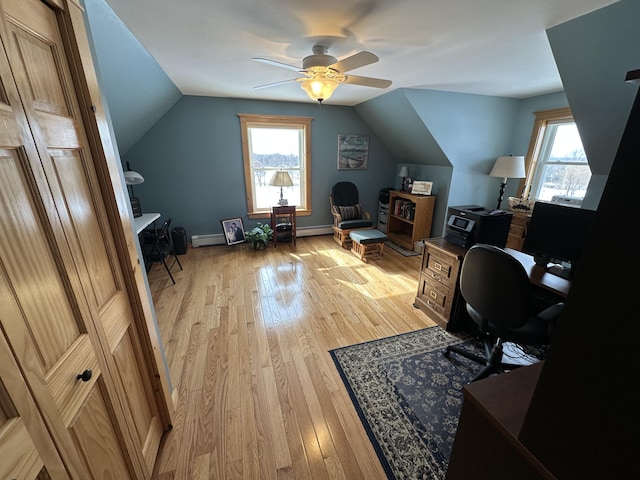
point(136, 207)
point(283, 202)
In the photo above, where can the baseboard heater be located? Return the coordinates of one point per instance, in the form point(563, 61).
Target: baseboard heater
point(218, 238)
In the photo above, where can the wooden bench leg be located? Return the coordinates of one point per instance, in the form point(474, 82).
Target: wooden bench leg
point(368, 251)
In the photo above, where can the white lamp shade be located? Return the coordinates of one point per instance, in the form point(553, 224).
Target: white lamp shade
point(133, 178)
point(404, 171)
point(281, 179)
point(508, 166)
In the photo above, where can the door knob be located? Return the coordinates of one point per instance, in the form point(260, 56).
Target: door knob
point(85, 376)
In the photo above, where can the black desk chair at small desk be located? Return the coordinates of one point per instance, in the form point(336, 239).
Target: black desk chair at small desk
point(157, 246)
point(283, 222)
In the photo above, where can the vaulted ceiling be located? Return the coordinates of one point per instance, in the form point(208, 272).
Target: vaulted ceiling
point(487, 47)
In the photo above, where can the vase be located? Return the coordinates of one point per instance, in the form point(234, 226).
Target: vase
point(259, 245)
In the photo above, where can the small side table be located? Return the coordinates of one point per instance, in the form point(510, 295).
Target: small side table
point(283, 222)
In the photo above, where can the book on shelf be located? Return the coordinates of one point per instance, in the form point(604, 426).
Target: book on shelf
point(404, 209)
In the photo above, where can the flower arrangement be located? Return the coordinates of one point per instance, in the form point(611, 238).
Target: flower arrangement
point(259, 235)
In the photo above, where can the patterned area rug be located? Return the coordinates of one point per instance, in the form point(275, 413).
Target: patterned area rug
point(400, 250)
point(408, 396)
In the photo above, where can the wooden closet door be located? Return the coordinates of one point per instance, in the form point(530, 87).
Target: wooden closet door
point(46, 319)
point(63, 265)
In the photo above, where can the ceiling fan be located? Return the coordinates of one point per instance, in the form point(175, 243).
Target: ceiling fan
point(323, 73)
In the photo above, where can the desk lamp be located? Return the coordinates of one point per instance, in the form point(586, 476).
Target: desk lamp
point(281, 179)
point(132, 178)
point(508, 166)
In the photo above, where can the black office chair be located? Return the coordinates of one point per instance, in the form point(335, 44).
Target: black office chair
point(157, 246)
point(499, 300)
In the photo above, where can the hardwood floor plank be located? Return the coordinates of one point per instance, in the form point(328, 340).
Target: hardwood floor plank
point(247, 336)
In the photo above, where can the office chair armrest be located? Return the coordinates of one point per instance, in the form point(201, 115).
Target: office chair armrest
point(551, 314)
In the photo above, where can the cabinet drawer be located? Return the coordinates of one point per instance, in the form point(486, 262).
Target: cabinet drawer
point(516, 230)
point(439, 268)
point(436, 297)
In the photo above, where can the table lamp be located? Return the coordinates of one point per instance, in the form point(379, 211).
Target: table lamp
point(281, 179)
point(132, 178)
point(508, 166)
point(404, 173)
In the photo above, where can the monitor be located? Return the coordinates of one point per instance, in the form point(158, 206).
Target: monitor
point(557, 234)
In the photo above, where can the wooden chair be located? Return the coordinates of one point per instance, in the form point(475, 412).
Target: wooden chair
point(348, 214)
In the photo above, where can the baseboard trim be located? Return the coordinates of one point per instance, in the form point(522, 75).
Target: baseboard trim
point(218, 238)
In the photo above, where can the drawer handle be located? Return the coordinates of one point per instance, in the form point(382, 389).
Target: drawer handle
point(437, 266)
point(85, 376)
point(433, 295)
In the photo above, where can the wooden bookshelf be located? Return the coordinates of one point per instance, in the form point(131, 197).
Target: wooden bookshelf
point(410, 217)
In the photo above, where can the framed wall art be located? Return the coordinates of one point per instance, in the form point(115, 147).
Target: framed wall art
point(353, 152)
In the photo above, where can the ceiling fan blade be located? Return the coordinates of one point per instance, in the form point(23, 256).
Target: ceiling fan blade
point(354, 61)
point(279, 64)
point(367, 81)
point(274, 84)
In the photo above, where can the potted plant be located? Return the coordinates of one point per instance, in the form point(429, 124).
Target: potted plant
point(259, 235)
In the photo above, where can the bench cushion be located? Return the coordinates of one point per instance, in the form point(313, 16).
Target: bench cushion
point(366, 237)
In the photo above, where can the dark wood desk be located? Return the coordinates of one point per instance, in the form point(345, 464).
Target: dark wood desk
point(438, 285)
point(486, 445)
point(539, 276)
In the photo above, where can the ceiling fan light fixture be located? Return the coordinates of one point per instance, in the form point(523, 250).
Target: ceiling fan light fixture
point(321, 83)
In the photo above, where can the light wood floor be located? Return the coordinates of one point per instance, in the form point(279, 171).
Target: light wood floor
point(247, 336)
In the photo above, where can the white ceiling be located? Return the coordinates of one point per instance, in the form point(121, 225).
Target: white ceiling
point(487, 47)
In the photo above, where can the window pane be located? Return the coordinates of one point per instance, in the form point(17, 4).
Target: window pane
point(567, 145)
point(563, 181)
point(274, 149)
point(562, 173)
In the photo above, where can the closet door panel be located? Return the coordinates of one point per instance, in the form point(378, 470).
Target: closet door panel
point(51, 319)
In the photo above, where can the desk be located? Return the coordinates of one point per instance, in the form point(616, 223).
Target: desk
point(283, 222)
point(486, 445)
point(539, 276)
point(144, 221)
point(439, 289)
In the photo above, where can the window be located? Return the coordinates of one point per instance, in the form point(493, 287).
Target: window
point(557, 168)
point(269, 144)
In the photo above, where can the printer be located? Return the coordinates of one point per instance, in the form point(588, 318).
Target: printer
point(471, 224)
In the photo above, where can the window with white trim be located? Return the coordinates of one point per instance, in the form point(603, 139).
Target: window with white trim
point(271, 143)
point(557, 167)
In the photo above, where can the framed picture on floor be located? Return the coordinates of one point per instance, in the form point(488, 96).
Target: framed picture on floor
point(233, 230)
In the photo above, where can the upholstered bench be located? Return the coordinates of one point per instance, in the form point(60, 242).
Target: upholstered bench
point(367, 243)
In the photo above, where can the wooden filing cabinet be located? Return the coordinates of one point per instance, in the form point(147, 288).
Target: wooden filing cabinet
point(438, 290)
point(518, 230)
